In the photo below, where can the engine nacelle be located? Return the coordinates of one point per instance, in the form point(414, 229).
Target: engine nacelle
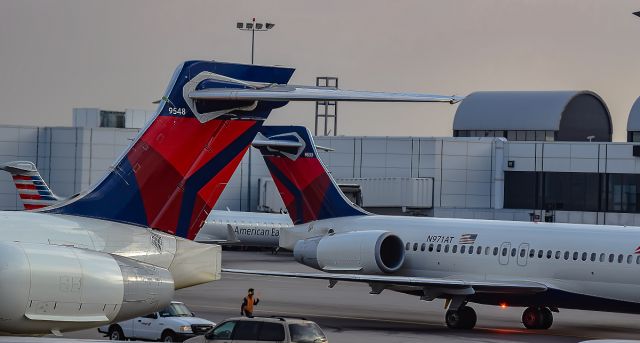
point(367, 252)
point(45, 288)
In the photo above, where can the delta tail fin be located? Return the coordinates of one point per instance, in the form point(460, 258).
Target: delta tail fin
point(307, 189)
point(33, 191)
point(177, 167)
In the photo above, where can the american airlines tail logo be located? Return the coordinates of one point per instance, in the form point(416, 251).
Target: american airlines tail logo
point(638, 250)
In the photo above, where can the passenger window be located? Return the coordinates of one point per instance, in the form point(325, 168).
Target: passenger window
point(438, 247)
point(638, 259)
point(566, 255)
point(246, 330)
point(629, 259)
point(558, 254)
point(454, 249)
point(478, 250)
point(423, 246)
point(446, 248)
point(603, 256)
point(504, 251)
point(523, 252)
point(487, 250)
point(513, 252)
point(532, 253)
point(495, 251)
point(593, 257)
point(407, 246)
point(430, 247)
point(471, 250)
point(611, 257)
point(620, 258)
point(223, 331)
point(575, 255)
point(584, 256)
point(271, 332)
point(540, 253)
point(415, 246)
point(549, 253)
point(463, 249)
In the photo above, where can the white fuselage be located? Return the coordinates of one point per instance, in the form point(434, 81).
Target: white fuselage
point(250, 228)
point(64, 273)
point(587, 266)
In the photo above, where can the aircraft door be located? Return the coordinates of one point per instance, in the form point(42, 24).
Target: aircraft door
point(523, 254)
point(503, 254)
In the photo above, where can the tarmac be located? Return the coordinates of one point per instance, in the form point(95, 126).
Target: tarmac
point(348, 313)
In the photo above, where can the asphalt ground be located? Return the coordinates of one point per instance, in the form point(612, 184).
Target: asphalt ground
point(348, 313)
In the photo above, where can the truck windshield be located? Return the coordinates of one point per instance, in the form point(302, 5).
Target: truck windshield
point(176, 310)
point(306, 333)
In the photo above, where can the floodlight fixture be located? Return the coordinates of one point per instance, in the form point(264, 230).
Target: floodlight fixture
point(253, 27)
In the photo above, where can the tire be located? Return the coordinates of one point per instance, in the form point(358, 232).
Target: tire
point(453, 319)
point(115, 333)
point(532, 318)
point(168, 336)
point(469, 317)
point(547, 318)
point(464, 318)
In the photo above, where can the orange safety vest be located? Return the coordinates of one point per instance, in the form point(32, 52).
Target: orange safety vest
point(249, 306)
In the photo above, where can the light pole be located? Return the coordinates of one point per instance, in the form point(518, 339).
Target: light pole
point(253, 27)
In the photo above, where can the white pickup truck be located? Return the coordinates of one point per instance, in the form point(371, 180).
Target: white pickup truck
point(173, 324)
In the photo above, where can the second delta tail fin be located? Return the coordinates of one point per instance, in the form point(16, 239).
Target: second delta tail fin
point(307, 189)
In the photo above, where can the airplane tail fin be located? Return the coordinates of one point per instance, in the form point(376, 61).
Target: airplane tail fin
point(307, 189)
point(177, 167)
point(33, 191)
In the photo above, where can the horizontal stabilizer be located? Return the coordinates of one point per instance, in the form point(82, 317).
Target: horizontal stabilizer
point(305, 93)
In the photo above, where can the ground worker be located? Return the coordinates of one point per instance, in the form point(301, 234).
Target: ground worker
point(247, 304)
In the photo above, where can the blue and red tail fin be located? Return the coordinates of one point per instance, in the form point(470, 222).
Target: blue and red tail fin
point(307, 189)
point(33, 191)
point(178, 166)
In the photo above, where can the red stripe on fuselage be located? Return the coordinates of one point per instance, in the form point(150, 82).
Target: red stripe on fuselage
point(20, 186)
point(32, 206)
point(21, 177)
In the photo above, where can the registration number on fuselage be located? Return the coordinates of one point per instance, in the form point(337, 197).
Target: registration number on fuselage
point(439, 239)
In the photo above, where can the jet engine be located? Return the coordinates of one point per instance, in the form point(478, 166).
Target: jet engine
point(367, 252)
point(54, 288)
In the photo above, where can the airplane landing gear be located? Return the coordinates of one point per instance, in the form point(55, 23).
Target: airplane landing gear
point(463, 318)
point(537, 318)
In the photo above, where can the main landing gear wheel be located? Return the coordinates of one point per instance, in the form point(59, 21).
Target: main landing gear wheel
point(537, 318)
point(463, 318)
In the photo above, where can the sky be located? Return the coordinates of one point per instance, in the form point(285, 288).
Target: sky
point(118, 54)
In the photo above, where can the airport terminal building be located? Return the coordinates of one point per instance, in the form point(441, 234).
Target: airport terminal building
point(513, 156)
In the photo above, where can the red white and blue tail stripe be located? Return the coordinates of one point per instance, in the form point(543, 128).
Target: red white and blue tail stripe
point(33, 191)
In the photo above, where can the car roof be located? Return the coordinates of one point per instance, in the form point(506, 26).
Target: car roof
point(272, 319)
